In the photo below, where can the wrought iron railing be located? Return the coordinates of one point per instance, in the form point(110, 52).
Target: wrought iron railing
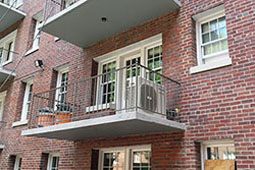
point(128, 89)
point(12, 3)
point(52, 7)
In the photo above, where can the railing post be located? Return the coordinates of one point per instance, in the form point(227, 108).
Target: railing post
point(136, 84)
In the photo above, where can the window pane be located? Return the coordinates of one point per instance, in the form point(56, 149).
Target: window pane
point(207, 49)
point(214, 35)
point(206, 38)
point(215, 47)
point(205, 28)
point(223, 32)
point(141, 160)
point(222, 21)
point(224, 44)
point(221, 153)
point(213, 25)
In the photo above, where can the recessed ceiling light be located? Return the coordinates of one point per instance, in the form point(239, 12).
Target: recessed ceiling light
point(104, 19)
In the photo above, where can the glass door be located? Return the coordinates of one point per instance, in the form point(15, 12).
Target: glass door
point(130, 74)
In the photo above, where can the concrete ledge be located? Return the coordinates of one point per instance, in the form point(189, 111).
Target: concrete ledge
point(125, 124)
point(14, 15)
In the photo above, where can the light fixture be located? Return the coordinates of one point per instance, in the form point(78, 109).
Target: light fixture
point(39, 63)
point(104, 19)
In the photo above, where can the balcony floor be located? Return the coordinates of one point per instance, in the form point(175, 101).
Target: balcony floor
point(81, 23)
point(124, 124)
point(4, 74)
point(11, 18)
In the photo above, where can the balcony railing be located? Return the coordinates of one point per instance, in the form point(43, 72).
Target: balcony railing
point(130, 89)
point(52, 7)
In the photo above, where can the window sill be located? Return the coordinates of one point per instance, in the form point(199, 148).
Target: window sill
point(20, 123)
point(31, 51)
point(212, 65)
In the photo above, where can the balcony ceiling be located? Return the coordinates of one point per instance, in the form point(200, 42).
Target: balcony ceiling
point(4, 74)
point(81, 23)
point(10, 18)
point(132, 123)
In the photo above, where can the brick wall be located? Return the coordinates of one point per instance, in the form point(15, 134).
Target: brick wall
point(217, 104)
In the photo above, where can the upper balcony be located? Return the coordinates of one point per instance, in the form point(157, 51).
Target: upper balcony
point(85, 22)
point(132, 100)
point(10, 13)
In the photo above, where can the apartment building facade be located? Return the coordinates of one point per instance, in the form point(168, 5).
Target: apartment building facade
point(121, 85)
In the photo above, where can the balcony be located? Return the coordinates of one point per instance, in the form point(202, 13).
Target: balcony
point(10, 14)
point(107, 105)
point(85, 22)
point(4, 73)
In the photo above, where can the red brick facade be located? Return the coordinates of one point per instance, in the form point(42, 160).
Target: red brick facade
point(216, 104)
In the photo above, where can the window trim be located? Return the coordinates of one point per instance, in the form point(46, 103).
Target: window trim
point(50, 159)
point(127, 151)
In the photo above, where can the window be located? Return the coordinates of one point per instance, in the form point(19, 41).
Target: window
point(7, 48)
point(36, 36)
point(2, 100)
point(212, 40)
point(134, 158)
point(214, 37)
point(27, 100)
point(18, 162)
point(53, 162)
point(62, 88)
point(108, 82)
point(223, 151)
point(154, 62)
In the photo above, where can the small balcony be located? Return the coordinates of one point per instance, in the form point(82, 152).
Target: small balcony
point(128, 101)
point(85, 22)
point(4, 73)
point(10, 14)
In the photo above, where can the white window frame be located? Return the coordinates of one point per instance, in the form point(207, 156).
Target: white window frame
point(128, 151)
point(216, 143)
point(217, 60)
point(2, 99)
point(50, 159)
point(17, 162)
point(25, 109)
point(61, 71)
point(119, 56)
point(4, 43)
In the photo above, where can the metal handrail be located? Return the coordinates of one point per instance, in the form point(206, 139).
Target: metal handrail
point(100, 95)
